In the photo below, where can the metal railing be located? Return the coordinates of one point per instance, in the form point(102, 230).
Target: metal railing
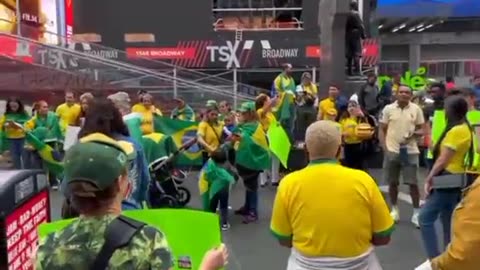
point(157, 76)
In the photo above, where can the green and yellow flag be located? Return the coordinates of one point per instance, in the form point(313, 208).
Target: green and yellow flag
point(252, 151)
point(212, 179)
point(52, 159)
point(181, 132)
point(157, 145)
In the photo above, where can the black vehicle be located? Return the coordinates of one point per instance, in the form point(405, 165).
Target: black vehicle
point(166, 189)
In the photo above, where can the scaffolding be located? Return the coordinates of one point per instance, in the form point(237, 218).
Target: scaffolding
point(109, 68)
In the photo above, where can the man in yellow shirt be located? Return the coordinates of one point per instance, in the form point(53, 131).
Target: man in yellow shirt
point(69, 111)
point(306, 112)
point(329, 103)
point(314, 208)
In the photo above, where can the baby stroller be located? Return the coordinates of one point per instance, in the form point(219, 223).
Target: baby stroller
point(166, 189)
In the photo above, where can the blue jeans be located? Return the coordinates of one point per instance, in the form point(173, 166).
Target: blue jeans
point(17, 152)
point(440, 203)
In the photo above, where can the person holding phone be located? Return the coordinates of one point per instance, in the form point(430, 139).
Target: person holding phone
point(13, 136)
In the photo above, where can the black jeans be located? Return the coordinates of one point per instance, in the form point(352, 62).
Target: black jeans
point(306, 115)
point(220, 200)
point(353, 156)
point(250, 181)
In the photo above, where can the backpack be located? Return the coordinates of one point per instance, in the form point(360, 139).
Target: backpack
point(119, 234)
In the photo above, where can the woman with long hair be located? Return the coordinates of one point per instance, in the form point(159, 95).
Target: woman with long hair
point(263, 106)
point(45, 126)
point(148, 111)
point(13, 137)
point(452, 156)
point(210, 132)
point(103, 117)
point(85, 100)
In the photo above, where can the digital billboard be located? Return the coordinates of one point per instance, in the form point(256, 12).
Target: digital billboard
point(39, 19)
point(428, 8)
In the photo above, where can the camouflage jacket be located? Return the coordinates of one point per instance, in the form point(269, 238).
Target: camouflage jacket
point(77, 246)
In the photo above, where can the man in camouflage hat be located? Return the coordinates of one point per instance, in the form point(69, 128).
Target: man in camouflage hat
point(95, 170)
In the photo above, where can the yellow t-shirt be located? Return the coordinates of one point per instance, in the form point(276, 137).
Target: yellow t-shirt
point(211, 133)
point(349, 126)
point(267, 119)
point(147, 116)
point(459, 140)
point(311, 89)
point(68, 115)
point(330, 210)
point(324, 106)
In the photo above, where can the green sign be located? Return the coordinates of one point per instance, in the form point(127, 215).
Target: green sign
point(416, 81)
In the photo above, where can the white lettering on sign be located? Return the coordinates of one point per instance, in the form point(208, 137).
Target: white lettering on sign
point(22, 234)
point(227, 54)
point(57, 59)
point(279, 53)
point(109, 54)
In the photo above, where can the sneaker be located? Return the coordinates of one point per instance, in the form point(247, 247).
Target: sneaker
point(415, 220)
point(395, 214)
point(250, 218)
point(225, 226)
point(55, 187)
point(241, 211)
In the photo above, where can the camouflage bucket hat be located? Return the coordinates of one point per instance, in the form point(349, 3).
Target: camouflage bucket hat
point(96, 159)
point(247, 107)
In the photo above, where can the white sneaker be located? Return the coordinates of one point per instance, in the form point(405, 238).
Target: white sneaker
point(395, 214)
point(415, 220)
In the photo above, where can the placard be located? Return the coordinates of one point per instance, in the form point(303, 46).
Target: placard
point(71, 137)
point(21, 230)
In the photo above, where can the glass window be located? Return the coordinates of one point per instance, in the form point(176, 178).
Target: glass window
point(255, 15)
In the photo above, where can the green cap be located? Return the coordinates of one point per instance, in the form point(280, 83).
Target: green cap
point(96, 159)
point(247, 107)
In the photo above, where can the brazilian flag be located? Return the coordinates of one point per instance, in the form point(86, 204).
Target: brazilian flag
point(213, 179)
point(157, 145)
point(181, 132)
point(52, 159)
point(252, 150)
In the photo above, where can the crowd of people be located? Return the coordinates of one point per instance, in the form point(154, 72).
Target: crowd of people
point(106, 171)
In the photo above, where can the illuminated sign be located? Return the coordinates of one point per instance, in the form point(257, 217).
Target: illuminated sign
point(426, 8)
point(69, 19)
point(416, 81)
point(21, 228)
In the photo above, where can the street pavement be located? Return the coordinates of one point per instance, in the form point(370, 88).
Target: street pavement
point(252, 247)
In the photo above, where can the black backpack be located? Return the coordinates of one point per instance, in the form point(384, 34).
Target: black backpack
point(118, 234)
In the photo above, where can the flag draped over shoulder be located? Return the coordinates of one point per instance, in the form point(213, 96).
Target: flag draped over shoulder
point(181, 132)
point(252, 150)
point(285, 87)
point(133, 121)
point(51, 157)
point(157, 145)
point(212, 180)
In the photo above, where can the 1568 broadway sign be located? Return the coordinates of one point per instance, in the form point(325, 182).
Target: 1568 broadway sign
point(416, 81)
